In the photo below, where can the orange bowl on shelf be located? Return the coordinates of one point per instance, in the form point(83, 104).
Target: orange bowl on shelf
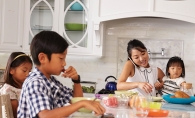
point(158, 113)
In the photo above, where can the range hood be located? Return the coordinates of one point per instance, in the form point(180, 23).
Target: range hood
point(107, 10)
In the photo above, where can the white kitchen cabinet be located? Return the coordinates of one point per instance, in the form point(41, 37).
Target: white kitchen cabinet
point(117, 7)
point(177, 9)
point(53, 15)
point(11, 25)
point(105, 10)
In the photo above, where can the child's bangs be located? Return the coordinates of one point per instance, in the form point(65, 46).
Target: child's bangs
point(178, 64)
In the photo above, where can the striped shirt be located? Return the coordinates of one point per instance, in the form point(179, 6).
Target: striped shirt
point(39, 93)
point(171, 85)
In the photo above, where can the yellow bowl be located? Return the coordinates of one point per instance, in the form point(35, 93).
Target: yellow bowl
point(155, 105)
point(77, 99)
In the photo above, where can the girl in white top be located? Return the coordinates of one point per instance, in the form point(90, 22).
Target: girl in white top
point(138, 75)
point(18, 67)
point(175, 73)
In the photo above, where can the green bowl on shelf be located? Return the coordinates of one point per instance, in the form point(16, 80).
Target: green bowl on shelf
point(75, 26)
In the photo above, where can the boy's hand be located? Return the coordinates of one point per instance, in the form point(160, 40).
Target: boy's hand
point(94, 106)
point(70, 72)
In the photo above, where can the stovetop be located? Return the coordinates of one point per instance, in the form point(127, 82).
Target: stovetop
point(104, 91)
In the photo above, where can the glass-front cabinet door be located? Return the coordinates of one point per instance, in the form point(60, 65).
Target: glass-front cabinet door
point(70, 18)
point(40, 15)
point(74, 25)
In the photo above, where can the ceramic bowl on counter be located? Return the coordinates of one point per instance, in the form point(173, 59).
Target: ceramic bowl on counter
point(115, 102)
point(155, 105)
point(158, 113)
point(125, 93)
point(77, 99)
point(88, 86)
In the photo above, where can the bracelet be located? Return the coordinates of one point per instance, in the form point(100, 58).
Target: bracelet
point(77, 81)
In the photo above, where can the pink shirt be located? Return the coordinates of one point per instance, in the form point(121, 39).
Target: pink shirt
point(12, 91)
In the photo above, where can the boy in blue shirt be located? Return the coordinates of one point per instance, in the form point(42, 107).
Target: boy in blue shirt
point(44, 96)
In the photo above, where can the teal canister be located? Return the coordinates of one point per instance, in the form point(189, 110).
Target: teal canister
point(76, 7)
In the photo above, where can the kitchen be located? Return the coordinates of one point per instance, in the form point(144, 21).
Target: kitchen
point(118, 27)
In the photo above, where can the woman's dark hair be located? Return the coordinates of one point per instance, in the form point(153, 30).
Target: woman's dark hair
point(15, 60)
point(175, 61)
point(135, 44)
point(47, 42)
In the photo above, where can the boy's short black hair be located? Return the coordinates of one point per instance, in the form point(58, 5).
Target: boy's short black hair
point(175, 61)
point(47, 42)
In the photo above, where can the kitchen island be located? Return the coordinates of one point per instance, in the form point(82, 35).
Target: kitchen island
point(175, 111)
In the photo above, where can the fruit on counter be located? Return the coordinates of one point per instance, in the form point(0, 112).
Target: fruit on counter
point(90, 89)
point(138, 101)
point(63, 70)
point(180, 94)
point(110, 101)
point(132, 100)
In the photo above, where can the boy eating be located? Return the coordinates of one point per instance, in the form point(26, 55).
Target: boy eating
point(42, 94)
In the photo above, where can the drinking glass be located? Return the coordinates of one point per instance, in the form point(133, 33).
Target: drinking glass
point(141, 106)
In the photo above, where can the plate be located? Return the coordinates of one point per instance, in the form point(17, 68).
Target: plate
point(158, 113)
point(157, 99)
point(179, 100)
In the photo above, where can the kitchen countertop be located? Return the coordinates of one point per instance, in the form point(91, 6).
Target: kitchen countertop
point(128, 113)
point(175, 111)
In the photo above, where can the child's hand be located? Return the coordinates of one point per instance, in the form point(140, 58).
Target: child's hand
point(70, 72)
point(158, 85)
point(94, 106)
point(145, 86)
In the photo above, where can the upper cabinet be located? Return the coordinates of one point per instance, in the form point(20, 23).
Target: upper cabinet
point(176, 9)
point(70, 18)
point(114, 9)
point(39, 15)
point(11, 25)
point(105, 10)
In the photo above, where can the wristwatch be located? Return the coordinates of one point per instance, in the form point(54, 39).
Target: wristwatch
point(77, 81)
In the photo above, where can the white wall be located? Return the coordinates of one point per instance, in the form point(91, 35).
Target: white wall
point(97, 69)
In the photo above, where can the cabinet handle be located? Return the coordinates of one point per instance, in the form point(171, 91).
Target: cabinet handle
point(21, 46)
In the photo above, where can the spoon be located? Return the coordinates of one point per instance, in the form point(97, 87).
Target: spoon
point(94, 99)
